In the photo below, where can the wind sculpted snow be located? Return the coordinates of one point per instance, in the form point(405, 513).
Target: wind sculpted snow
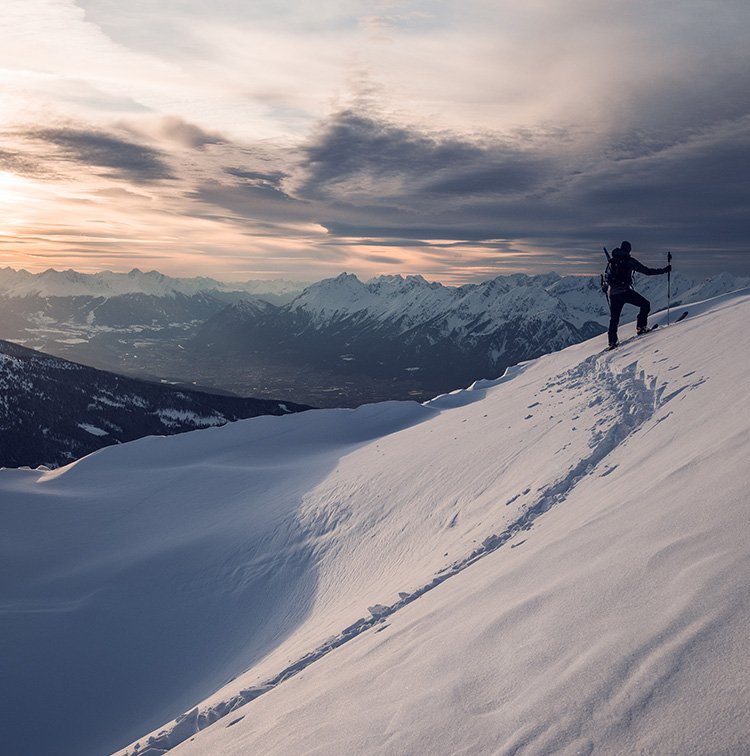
point(551, 562)
point(143, 577)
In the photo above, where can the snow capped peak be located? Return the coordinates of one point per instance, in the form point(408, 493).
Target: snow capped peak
point(346, 277)
point(341, 282)
point(410, 301)
point(344, 293)
point(390, 278)
point(382, 298)
point(68, 283)
point(715, 285)
point(397, 279)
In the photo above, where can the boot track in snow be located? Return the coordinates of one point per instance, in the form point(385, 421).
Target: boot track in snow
point(628, 399)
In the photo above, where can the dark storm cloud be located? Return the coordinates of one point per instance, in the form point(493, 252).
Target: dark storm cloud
point(121, 158)
point(256, 201)
point(240, 197)
point(188, 134)
point(662, 185)
point(372, 178)
point(352, 144)
point(252, 194)
point(354, 147)
point(510, 175)
point(262, 178)
point(706, 172)
point(693, 193)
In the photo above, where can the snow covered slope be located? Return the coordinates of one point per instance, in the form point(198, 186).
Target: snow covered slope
point(555, 561)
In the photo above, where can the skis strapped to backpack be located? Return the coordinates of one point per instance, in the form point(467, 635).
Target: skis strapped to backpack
point(603, 277)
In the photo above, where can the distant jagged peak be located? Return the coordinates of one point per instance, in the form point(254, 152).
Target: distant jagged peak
point(351, 279)
point(344, 292)
point(346, 288)
point(342, 279)
point(722, 281)
point(69, 282)
point(396, 279)
point(407, 302)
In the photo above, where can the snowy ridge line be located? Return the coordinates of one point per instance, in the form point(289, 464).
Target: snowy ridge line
point(108, 283)
point(628, 399)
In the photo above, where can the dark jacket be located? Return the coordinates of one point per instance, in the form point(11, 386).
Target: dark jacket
point(631, 265)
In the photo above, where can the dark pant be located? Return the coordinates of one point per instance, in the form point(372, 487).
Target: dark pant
point(618, 301)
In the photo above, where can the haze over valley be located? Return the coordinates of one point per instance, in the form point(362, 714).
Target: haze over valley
point(337, 342)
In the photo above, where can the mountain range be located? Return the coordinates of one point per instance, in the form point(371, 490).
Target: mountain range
point(71, 283)
point(337, 342)
point(406, 337)
point(554, 561)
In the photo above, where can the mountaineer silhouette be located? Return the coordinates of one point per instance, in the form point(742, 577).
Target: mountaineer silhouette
point(619, 279)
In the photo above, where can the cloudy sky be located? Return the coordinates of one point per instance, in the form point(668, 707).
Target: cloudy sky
point(279, 138)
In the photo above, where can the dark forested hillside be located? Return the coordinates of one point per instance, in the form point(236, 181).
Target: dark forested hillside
point(53, 411)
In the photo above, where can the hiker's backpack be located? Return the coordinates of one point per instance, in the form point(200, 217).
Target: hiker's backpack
point(618, 274)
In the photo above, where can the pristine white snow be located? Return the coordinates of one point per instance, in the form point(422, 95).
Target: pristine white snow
point(555, 561)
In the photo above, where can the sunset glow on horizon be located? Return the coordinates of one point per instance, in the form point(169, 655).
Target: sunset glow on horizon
point(458, 142)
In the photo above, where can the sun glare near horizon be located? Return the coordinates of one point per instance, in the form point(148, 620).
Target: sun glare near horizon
point(15, 191)
point(456, 142)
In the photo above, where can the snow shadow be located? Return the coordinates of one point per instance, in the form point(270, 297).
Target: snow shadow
point(141, 579)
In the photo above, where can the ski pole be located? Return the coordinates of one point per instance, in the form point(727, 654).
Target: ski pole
point(669, 285)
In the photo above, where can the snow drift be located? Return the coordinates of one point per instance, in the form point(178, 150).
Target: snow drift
point(556, 561)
